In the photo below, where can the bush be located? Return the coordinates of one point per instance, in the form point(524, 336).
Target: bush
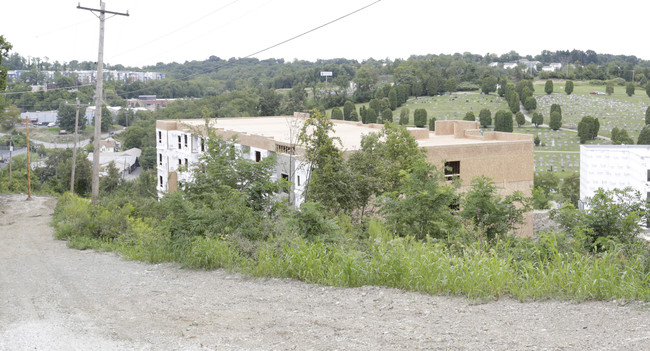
point(420, 117)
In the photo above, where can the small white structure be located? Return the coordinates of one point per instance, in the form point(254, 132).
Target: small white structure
point(125, 162)
point(614, 167)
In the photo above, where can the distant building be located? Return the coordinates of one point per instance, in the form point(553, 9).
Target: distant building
point(458, 147)
point(126, 162)
point(614, 167)
point(150, 102)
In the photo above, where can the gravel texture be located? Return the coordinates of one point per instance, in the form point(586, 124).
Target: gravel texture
point(56, 298)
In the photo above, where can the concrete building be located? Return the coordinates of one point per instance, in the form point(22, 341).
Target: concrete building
point(614, 167)
point(457, 146)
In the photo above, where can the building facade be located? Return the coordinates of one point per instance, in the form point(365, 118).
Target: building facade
point(614, 167)
point(459, 147)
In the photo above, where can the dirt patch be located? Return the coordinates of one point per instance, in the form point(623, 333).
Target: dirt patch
point(56, 298)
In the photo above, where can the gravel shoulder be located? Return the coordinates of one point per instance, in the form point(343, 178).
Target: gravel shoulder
point(56, 298)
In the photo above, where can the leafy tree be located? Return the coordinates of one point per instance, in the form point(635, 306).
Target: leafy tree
point(432, 124)
point(501, 90)
point(585, 129)
point(375, 105)
point(546, 181)
point(362, 114)
point(488, 84)
point(337, 114)
point(354, 116)
point(537, 140)
point(503, 121)
point(107, 119)
point(644, 136)
point(66, 115)
point(387, 115)
point(548, 87)
point(9, 116)
point(495, 215)
point(485, 117)
point(371, 116)
point(421, 205)
point(525, 94)
point(513, 102)
point(134, 136)
point(148, 157)
point(392, 98)
point(556, 120)
point(521, 120)
point(5, 46)
point(614, 216)
point(537, 119)
point(647, 89)
point(420, 117)
point(556, 108)
point(609, 89)
point(570, 189)
point(530, 104)
point(111, 180)
point(647, 116)
point(620, 136)
point(469, 116)
point(451, 85)
point(629, 89)
point(568, 87)
point(348, 107)
point(404, 116)
point(269, 102)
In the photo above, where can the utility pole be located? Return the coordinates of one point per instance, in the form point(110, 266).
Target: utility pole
point(74, 149)
point(29, 166)
point(11, 149)
point(98, 92)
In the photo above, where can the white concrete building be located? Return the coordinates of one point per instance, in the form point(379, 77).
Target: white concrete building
point(614, 167)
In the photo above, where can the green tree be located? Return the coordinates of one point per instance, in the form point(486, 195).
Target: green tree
point(66, 115)
point(371, 116)
point(537, 119)
point(269, 102)
point(432, 124)
point(362, 114)
point(469, 116)
point(485, 117)
point(570, 189)
point(513, 102)
point(647, 116)
point(556, 108)
point(556, 120)
point(493, 214)
point(9, 116)
point(629, 89)
point(568, 87)
point(530, 104)
point(348, 107)
point(337, 114)
point(387, 116)
point(503, 121)
point(404, 116)
point(148, 157)
point(392, 98)
point(5, 46)
point(620, 136)
point(644, 136)
point(488, 84)
point(420, 117)
point(111, 180)
point(375, 105)
point(329, 180)
point(354, 116)
point(614, 216)
point(521, 120)
point(134, 136)
point(501, 90)
point(451, 85)
point(422, 205)
point(609, 89)
point(546, 181)
point(548, 87)
point(647, 89)
point(586, 129)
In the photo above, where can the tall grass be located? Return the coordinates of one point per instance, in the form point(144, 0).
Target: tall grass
point(550, 268)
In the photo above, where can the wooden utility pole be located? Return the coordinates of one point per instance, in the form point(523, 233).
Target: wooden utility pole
point(74, 149)
point(29, 166)
point(98, 92)
point(11, 149)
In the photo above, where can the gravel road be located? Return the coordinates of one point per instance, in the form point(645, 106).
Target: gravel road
point(55, 298)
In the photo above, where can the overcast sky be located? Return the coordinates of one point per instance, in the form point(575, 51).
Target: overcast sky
point(179, 31)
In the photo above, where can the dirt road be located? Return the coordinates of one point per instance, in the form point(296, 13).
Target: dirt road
point(55, 298)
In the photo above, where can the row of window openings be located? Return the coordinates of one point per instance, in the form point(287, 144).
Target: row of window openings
point(180, 162)
point(181, 141)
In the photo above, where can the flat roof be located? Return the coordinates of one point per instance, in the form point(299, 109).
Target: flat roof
point(279, 129)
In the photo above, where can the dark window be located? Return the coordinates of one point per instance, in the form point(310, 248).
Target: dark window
point(285, 177)
point(179, 141)
point(452, 169)
point(649, 175)
point(185, 162)
point(159, 136)
point(161, 182)
point(185, 140)
point(180, 162)
point(298, 180)
point(258, 156)
point(202, 145)
point(160, 159)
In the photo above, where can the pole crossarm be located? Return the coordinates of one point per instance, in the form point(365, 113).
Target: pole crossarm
point(102, 10)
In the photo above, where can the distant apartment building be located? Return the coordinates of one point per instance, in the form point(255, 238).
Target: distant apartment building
point(458, 147)
point(88, 76)
point(614, 167)
point(150, 102)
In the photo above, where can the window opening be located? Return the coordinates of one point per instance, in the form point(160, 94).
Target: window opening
point(452, 169)
point(179, 141)
point(258, 156)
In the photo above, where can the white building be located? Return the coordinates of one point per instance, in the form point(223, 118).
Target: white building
point(614, 167)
